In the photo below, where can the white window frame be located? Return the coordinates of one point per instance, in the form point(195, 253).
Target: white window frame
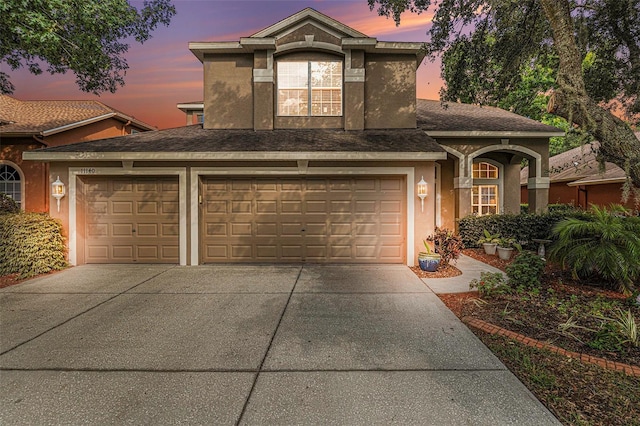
point(310, 89)
point(498, 183)
point(22, 181)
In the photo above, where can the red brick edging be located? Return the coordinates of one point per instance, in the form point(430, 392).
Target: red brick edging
point(604, 363)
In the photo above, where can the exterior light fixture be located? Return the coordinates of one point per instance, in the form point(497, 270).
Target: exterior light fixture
point(422, 191)
point(58, 191)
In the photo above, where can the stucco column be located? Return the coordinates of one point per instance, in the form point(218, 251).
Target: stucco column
point(538, 194)
point(263, 91)
point(462, 187)
point(354, 76)
point(511, 192)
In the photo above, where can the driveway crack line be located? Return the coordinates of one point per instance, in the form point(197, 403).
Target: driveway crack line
point(264, 358)
point(83, 312)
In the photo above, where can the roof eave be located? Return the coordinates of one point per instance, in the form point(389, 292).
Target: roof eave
point(491, 134)
point(234, 156)
point(588, 182)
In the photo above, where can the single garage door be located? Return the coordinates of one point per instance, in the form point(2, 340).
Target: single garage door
point(332, 219)
point(131, 219)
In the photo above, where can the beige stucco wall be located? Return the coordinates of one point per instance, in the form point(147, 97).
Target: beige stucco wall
point(228, 91)
point(424, 221)
point(390, 91)
point(318, 35)
point(447, 194)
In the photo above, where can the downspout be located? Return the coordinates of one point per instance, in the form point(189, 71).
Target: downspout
point(124, 128)
point(584, 190)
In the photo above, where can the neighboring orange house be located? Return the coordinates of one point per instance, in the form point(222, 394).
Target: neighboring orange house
point(29, 125)
point(576, 179)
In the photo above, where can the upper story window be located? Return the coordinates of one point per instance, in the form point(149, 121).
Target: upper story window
point(310, 88)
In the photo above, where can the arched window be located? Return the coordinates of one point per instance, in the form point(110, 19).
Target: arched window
point(10, 183)
point(485, 194)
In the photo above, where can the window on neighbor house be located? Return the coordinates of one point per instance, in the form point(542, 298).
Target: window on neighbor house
point(200, 118)
point(310, 88)
point(486, 189)
point(10, 183)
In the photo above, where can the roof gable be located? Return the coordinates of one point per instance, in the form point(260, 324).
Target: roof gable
point(451, 119)
point(580, 166)
point(53, 116)
point(312, 17)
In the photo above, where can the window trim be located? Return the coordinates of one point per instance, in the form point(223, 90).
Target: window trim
point(22, 180)
point(499, 182)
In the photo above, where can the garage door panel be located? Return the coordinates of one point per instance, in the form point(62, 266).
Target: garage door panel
point(148, 230)
point(131, 219)
point(122, 252)
point(122, 207)
point(216, 207)
point(297, 219)
point(291, 207)
point(267, 229)
point(241, 229)
point(122, 230)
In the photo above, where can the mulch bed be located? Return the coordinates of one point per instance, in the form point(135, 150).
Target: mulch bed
point(539, 316)
point(445, 271)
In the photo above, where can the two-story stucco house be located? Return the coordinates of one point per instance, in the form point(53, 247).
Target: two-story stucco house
point(311, 149)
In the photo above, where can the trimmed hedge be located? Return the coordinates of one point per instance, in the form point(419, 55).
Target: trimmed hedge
point(32, 244)
point(522, 227)
point(8, 204)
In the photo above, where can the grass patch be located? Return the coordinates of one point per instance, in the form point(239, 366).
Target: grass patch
point(576, 393)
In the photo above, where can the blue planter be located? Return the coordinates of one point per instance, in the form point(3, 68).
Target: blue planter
point(429, 264)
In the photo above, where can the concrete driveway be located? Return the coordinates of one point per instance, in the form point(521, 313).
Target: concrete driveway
point(228, 345)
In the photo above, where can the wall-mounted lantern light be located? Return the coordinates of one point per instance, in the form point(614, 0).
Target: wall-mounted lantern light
point(422, 191)
point(58, 191)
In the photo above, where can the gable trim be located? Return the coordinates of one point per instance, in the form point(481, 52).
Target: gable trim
point(305, 15)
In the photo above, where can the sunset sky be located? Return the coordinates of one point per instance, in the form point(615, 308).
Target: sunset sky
point(163, 72)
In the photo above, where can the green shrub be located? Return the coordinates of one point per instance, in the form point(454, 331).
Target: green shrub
point(605, 244)
point(490, 284)
point(32, 244)
point(521, 227)
point(446, 244)
point(525, 271)
point(8, 204)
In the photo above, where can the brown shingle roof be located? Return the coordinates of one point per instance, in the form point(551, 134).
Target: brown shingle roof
point(579, 166)
point(437, 116)
point(196, 139)
point(36, 117)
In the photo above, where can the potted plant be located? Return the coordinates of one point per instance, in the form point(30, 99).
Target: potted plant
point(489, 242)
point(506, 246)
point(428, 260)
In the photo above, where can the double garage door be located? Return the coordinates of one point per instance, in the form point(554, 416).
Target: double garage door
point(325, 219)
point(333, 220)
